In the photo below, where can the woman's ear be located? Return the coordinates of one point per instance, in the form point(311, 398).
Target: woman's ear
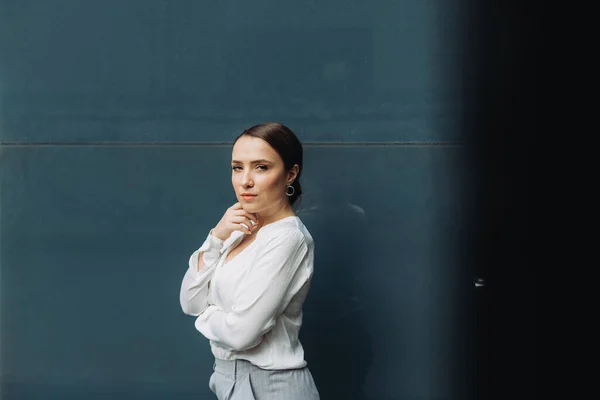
point(293, 173)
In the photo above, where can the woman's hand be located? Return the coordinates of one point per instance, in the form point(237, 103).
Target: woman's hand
point(235, 219)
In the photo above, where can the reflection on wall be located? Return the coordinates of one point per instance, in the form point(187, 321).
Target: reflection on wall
point(335, 335)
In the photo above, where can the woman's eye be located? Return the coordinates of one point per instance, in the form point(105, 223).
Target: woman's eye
point(236, 168)
point(261, 167)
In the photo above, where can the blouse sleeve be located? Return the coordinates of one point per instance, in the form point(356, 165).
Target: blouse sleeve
point(193, 294)
point(264, 295)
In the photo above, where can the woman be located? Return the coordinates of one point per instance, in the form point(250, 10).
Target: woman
point(248, 281)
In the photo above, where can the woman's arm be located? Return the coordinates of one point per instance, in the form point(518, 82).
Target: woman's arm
point(194, 288)
point(271, 283)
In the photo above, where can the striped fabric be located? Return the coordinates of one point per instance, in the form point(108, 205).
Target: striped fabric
point(241, 380)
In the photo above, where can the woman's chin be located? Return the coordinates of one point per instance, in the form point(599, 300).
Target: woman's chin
point(250, 208)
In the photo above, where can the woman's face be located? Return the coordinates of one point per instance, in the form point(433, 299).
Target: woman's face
point(258, 176)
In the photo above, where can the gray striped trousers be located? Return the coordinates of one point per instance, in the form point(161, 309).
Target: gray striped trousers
point(241, 380)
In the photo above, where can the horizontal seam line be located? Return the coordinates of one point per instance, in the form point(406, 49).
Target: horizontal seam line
point(220, 144)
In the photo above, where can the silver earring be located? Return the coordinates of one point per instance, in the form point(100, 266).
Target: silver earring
point(287, 190)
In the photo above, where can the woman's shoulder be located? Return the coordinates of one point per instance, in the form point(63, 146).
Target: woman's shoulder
point(287, 229)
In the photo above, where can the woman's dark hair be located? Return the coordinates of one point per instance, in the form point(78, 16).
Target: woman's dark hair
point(283, 141)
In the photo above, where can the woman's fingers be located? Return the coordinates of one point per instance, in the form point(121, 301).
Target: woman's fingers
point(248, 216)
point(239, 219)
point(243, 223)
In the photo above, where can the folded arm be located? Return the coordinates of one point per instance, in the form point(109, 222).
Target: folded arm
point(264, 295)
point(193, 295)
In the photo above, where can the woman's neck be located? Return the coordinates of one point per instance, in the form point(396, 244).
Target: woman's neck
point(284, 212)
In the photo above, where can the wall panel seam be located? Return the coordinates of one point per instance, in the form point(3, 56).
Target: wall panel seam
point(224, 144)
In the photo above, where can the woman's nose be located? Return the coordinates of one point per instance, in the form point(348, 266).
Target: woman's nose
point(247, 180)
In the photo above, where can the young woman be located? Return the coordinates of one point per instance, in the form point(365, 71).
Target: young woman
point(248, 281)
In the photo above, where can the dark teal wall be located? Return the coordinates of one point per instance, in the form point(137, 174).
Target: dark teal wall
point(114, 121)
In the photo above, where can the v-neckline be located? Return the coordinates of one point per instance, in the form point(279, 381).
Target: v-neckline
point(226, 262)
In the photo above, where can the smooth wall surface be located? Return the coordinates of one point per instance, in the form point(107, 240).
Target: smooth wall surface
point(115, 122)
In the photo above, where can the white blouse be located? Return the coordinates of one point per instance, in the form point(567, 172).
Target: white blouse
point(251, 306)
